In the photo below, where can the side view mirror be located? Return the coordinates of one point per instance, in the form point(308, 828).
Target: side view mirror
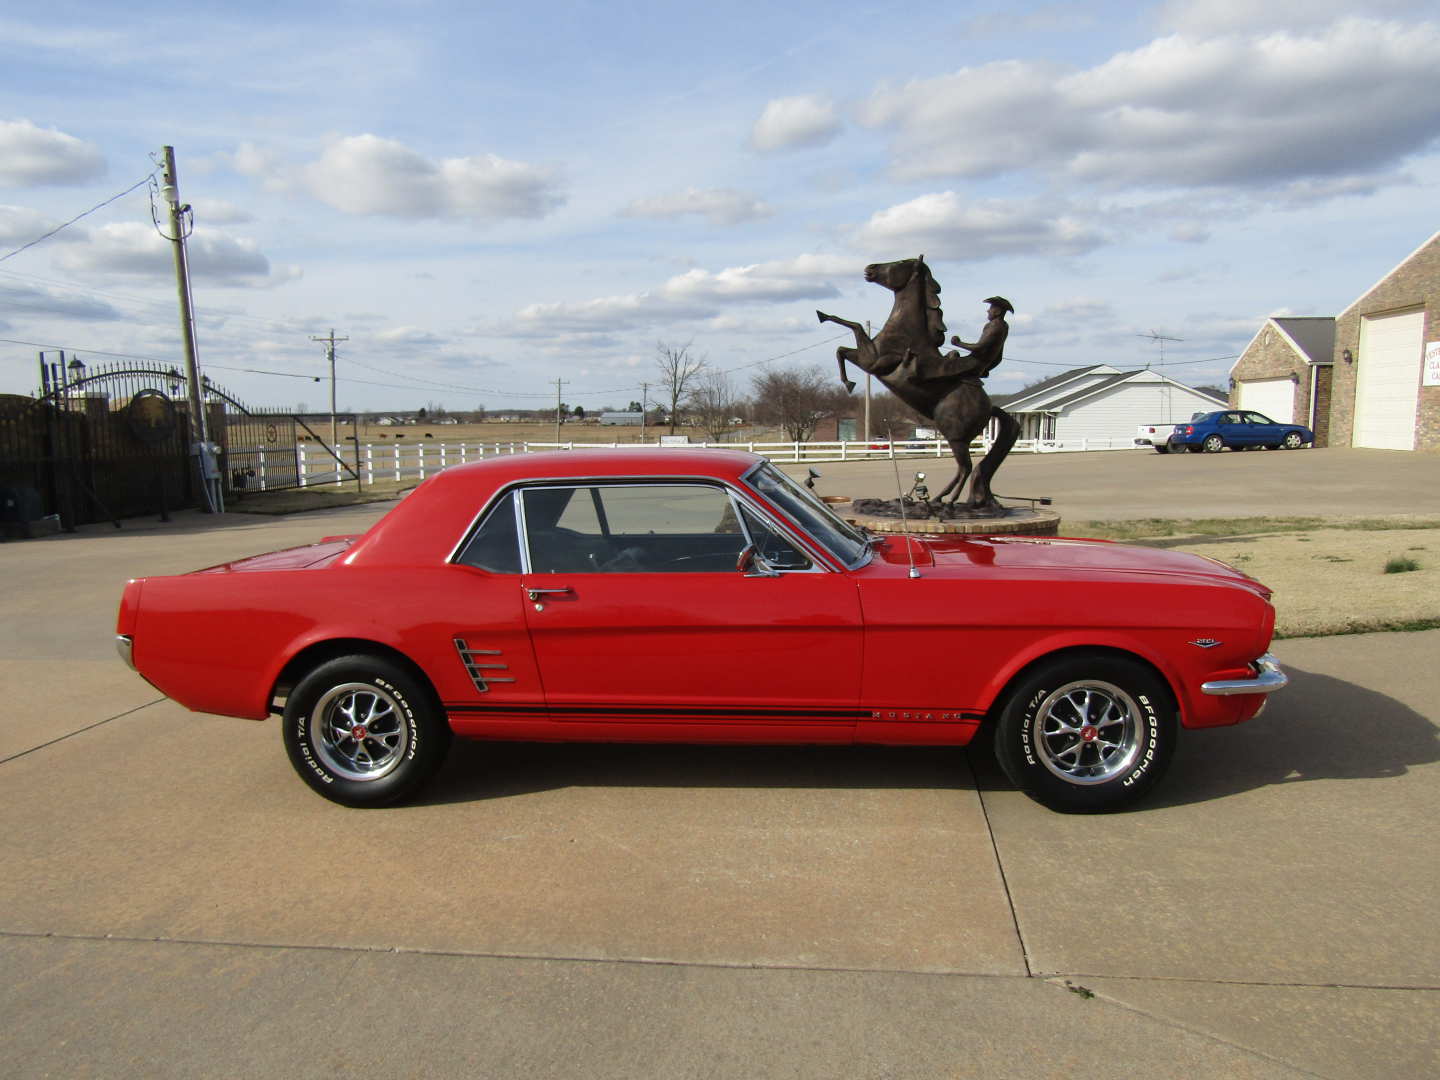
point(752, 564)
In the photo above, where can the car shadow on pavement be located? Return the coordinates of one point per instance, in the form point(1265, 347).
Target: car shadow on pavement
point(1317, 728)
point(493, 770)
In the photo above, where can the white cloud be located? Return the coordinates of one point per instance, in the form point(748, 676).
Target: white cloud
point(1351, 99)
point(31, 155)
point(943, 226)
point(220, 212)
point(1227, 16)
point(20, 225)
point(368, 175)
point(133, 249)
point(20, 299)
point(699, 294)
point(788, 123)
point(720, 206)
point(411, 336)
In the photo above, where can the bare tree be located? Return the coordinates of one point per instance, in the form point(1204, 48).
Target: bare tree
point(889, 415)
point(678, 368)
point(712, 404)
point(796, 400)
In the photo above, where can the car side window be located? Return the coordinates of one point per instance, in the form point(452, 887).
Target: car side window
point(631, 528)
point(495, 545)
point(1257, 418)
point(771, 546)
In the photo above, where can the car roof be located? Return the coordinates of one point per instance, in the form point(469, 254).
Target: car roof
point(425, 526)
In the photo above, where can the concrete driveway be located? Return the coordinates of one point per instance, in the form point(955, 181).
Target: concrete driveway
point(176, 903)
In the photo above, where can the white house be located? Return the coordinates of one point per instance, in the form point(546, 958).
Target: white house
point(1103, 402)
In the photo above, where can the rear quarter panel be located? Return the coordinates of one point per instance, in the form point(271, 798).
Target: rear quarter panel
point(217, 642)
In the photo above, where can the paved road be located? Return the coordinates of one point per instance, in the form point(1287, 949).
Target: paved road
point(176, 903)
point(1127, 484)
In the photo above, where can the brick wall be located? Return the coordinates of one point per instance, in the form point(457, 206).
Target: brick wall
point(1413, 283)
point(1271, 356)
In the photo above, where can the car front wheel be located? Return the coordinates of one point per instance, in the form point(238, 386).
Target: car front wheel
point(1087, 731)
point(1293, 441)
point(1213, 444)
point(363, 731)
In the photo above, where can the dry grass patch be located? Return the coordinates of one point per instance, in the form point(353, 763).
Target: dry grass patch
point(1334, 580)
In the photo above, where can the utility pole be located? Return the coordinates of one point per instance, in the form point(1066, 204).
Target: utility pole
point(334, 431)
point(558, 384)
point(644, 407)
point(867, 392)
point(205, 464)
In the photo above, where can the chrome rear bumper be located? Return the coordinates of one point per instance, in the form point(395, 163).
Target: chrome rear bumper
point(1267, 680)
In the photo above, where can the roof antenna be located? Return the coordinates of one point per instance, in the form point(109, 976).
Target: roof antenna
point(900, 491)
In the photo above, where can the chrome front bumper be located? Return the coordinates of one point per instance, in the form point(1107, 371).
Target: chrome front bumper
point(1267, 680)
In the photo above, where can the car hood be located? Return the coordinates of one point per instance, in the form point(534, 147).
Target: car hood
point(1059, 555)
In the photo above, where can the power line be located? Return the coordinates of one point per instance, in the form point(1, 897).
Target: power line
point(77, 217)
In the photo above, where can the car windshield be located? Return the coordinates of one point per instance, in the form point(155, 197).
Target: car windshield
point(838, 536)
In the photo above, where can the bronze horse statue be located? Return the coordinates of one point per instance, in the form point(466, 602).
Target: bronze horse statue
point(905, 356)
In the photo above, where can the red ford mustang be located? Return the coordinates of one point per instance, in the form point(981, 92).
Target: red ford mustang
point(702, 596)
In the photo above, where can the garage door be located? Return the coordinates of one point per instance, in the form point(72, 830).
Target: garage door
point(1387, 384)
point(1273, 397)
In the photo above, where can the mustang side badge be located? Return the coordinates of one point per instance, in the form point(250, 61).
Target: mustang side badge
point(1206, 642)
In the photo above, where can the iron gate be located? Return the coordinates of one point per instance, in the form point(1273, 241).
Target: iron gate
point(103, 443)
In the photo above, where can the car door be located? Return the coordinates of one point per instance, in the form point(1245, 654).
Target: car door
point(643, 626)
point(1262, 430)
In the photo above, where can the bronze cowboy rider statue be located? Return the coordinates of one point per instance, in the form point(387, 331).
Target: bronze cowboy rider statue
point(946, 387)
point(984, 355)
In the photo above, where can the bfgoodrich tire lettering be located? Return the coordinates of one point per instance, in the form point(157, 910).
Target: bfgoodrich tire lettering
point(362, 731)
point(1086, 731)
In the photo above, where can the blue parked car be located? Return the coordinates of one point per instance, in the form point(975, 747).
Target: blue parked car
point(1239, 429)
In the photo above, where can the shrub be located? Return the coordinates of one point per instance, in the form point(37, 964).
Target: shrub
point(1401, 564)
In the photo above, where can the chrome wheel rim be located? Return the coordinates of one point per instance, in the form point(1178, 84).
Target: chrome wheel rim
point(359, 731)
point(1214, 444)
point(1292, 441)
point(1088, 732)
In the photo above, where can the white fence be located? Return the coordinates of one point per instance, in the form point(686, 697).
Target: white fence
point(415, 461)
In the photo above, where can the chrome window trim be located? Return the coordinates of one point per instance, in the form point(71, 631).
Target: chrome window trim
point(825, 560)
point(866, 554)
point(737, 497)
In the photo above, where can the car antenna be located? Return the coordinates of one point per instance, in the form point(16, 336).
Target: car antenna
point(900, 491)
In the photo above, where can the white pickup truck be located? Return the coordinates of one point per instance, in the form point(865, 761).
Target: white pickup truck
point(1156, 435)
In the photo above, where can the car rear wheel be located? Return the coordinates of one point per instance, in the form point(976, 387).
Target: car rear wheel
point(1161, 448)
point(1087, 731)
point(1213, 444)
point(1293, 441)
point(363, 731)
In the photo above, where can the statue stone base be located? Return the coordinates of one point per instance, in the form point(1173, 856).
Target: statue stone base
point(883, 516)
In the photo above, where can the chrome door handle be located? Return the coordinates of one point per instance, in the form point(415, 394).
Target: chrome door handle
point(535, 594)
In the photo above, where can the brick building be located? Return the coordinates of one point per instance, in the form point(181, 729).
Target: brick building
point(1386, 390)
point(1285, 373)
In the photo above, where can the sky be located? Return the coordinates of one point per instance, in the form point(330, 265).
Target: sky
point(485, 198)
